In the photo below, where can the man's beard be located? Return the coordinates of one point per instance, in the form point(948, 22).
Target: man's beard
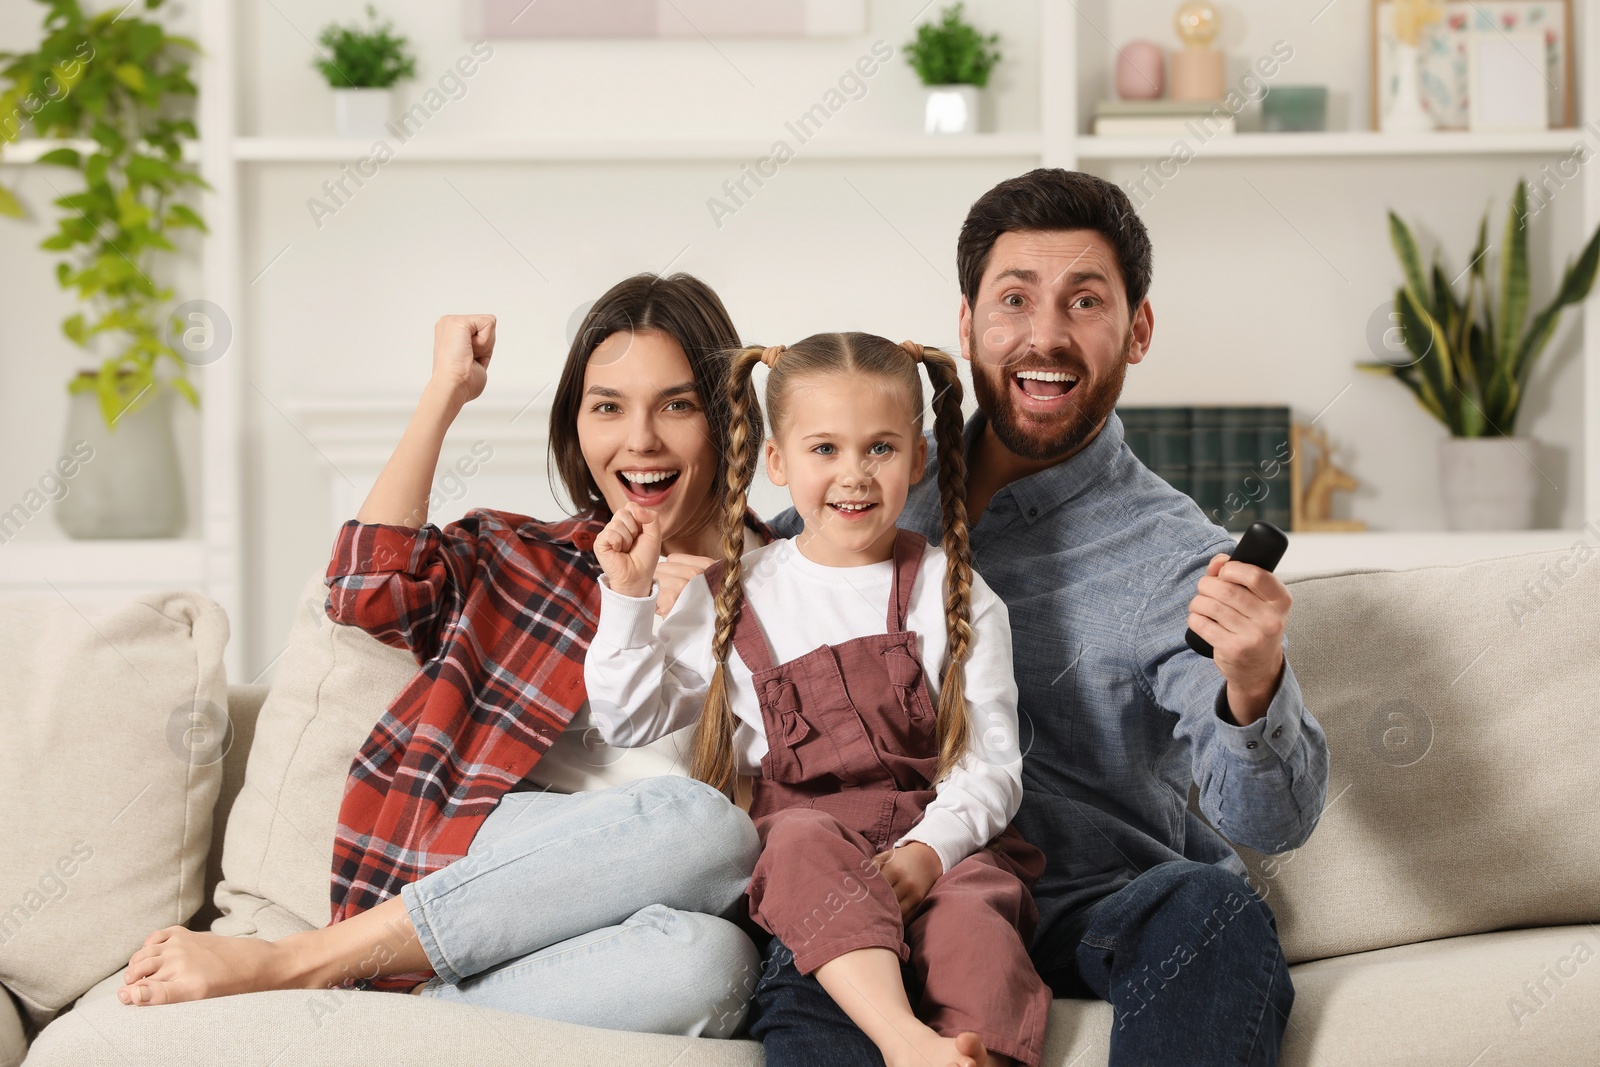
point(1054, 437)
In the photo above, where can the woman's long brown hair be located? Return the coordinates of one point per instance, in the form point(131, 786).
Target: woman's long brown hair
point(855, 354)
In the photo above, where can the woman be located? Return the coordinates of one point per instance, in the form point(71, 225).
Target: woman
point(455, 853)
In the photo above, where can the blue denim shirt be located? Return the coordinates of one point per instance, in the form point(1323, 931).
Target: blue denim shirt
point(1097, 559)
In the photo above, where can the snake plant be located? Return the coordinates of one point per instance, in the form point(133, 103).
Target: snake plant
point(1473, 359)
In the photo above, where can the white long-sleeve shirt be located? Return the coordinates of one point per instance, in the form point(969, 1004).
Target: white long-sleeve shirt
point(644, 685)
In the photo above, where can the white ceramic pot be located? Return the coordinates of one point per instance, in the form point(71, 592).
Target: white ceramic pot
point(1488, 483)
point(951, 109)
point(361, 112)
point(132, 486)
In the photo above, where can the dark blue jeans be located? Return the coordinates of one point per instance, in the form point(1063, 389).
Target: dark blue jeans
point(1186, 954)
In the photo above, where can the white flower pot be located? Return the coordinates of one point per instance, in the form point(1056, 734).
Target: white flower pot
point(1488, 483)
point(361, 112)
point(133, 485)
point(951, 109)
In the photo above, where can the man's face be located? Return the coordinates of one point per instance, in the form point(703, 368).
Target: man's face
point(1050, 339)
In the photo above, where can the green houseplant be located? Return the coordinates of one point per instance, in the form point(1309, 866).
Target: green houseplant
point(1473, 355)
point(953, 60)
point(361, 65)
point(115, 87)
point(121, 84)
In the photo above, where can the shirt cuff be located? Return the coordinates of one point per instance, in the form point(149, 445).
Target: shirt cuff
point(625, 621)
point(945, 833)
point(1275, 733)
point(376, 547)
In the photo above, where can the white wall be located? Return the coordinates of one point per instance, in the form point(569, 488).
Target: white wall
point(1262, 293)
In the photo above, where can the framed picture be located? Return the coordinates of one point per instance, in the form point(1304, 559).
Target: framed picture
point(1506, 82)
point(680, 19)
point(1446, 55)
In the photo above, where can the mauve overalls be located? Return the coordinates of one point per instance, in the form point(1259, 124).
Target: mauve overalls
point(851, 749)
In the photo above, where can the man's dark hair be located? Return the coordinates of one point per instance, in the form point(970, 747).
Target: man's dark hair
point(1055, 199)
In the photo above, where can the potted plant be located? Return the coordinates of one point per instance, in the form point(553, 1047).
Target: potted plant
point(119, 84)
point(1472, 362)
point(953, 61)
point(361, 66)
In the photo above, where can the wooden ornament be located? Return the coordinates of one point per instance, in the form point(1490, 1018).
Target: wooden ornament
point(1311, 498)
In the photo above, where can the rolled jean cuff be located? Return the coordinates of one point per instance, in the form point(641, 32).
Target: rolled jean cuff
point(416, 910)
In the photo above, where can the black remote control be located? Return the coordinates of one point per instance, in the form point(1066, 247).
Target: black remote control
point(1262, 545)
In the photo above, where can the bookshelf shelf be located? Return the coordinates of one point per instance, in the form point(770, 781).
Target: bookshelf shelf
point(37, 564)
point(425, 149)
point(1353, 145)
point(27, 151)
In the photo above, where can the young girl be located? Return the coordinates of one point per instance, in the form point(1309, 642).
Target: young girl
point(831, 709)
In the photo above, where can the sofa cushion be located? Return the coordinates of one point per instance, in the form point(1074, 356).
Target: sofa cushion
point(1460, 705)
point(1491, 1000)
point(244, 705)
point(307, 1028)
point(331, 685)
point(13, 1033)
point(112, 724)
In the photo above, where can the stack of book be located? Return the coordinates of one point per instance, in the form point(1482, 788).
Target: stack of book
point(1232, 461)
point(1202, 119)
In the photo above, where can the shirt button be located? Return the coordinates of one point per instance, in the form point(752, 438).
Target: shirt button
point(1033, 513)
point(1278, 732)
point(1251, 744)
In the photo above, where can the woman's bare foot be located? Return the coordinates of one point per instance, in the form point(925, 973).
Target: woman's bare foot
point(177, 964)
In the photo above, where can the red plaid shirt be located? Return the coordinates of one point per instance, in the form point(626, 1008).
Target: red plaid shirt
point(494, 692)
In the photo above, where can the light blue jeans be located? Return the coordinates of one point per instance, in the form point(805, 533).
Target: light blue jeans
point(608, 908)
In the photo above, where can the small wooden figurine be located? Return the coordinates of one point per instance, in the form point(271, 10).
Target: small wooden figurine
point(1311, 499)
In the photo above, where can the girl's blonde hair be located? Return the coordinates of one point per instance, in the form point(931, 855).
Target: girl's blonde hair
point(841, 353)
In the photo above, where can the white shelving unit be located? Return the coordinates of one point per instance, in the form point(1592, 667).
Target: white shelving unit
point(635, 149)
point(1553, 143)
point(214, 561)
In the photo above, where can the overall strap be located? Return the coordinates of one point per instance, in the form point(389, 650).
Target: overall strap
point(908, 549)
point(748, 640)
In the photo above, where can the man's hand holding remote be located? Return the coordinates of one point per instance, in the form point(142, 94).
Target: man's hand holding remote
point(1240, 609)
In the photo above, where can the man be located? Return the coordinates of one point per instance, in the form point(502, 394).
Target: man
point(1102, 566)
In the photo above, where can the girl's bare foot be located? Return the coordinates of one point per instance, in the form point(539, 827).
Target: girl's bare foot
point(177, 964)
point(923, 1050)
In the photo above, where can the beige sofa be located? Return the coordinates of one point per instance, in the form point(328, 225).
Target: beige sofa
point(1443, 913)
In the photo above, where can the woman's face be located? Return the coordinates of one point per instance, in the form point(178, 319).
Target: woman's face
point(643, 431)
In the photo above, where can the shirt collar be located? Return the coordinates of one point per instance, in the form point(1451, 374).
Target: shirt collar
point(1043, 490)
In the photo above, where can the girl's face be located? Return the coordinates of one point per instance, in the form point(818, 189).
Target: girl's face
point(643, 431)
point(849, 453)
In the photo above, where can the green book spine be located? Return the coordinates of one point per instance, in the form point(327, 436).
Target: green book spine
point(1242, 488)
point(1273, 437)
point(1207, 484)
point(1171, 445)
point(1136, 432)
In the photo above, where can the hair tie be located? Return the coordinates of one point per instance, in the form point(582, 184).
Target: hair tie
point(770, 355)
point(913, 348)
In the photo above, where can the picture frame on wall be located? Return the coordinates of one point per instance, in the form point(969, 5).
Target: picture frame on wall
point(1446, 56)
point(664, 19)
